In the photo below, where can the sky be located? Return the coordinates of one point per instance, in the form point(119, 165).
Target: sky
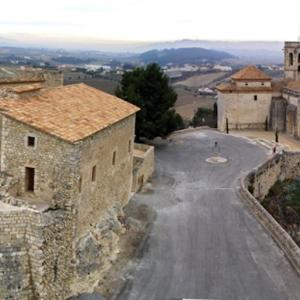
point(150, 20)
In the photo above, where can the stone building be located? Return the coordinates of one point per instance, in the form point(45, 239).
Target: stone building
point(66, 172)
point(245, 101)
point(292, 60)
point(252, 97)
point(19, 80)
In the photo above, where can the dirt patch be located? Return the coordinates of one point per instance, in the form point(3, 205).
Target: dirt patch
point(201, 80)
point(188, 102)
point(137, 221)
point(283, 203)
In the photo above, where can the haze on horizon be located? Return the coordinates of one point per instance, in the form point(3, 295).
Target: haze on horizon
point(144, 20)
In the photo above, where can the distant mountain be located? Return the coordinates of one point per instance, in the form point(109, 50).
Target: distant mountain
point(183, 56)
point(247, 51)
point(256, 52)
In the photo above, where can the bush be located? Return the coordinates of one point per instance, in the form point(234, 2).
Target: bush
point(203, 116)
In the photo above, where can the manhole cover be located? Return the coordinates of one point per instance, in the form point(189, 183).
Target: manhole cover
point(216, 160)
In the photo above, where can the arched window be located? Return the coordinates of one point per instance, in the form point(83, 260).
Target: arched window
point(291, 59)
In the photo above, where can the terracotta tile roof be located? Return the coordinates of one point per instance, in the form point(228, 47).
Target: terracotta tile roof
point(294, 85)
point(71, 113)
point(232, 87)
point(250, 73)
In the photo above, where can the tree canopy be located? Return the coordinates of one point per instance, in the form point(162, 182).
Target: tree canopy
point(149, 89)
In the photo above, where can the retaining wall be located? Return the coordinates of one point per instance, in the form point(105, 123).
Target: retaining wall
point(35, 253)
point(258, 182)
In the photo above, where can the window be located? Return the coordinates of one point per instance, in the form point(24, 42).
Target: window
point(262, 83)
point(29, 179)
point(79, 184)
point(298, 68)
point(246, 83)
point(30, 141)
point(255, 97)
point(94, 173)
point(299, 58)
point(114, 158)
point(291, 59)
point(129, 146)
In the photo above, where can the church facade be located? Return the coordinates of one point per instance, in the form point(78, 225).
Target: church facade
point(253, 100)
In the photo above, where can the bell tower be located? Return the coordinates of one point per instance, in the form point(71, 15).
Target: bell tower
point(292, 60)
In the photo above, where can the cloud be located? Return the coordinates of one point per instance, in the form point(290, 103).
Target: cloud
point(152, 19)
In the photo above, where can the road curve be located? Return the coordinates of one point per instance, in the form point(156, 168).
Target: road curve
point(203, 243)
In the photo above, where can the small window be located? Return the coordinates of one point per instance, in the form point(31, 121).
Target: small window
point(31, 141)
point(129, 146)
point(262, 83)
point(94, 173)
point(255, 97)
point(291, 59)
point(79, 184)
point(246, 83)
point(114, 158)
point(29, 179)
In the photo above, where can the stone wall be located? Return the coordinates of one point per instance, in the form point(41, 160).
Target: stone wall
point(67, 230)
point(15, 265)
point(53, 78)
point(281, 166)
point(55, 162)
point(143, 165)
point(111, 153)
point(256, 185)
point(35, 254)
point(278, 114)
point(291, 70)
point(242, 111)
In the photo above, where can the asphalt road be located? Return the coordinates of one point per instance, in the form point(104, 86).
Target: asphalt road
point(204, 244)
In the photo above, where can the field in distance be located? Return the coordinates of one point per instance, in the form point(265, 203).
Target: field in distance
point(202, 80)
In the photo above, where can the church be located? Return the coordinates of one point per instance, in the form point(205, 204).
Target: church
point(253, 100)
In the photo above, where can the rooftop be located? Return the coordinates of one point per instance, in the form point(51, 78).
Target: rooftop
point(294, 85)
point(232, 87)
point(250, 73)
point(71, 112)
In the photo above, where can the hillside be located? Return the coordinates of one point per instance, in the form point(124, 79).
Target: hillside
point(183, 56)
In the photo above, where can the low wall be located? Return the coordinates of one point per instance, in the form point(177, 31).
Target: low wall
point(281, 166)
point(258, 182)
point(35, 253)
point(143, 165)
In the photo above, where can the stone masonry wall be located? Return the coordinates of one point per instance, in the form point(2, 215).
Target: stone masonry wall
point(36, 254)
point(242, 111)
point(281, 166)
point(59, 246)
point(15, 265)
point(112, 182)
point(143, 165)
point(54, 160)
point(255, 186)
point(101, 200)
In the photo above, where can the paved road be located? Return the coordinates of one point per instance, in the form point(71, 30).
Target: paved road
point(204, 244)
